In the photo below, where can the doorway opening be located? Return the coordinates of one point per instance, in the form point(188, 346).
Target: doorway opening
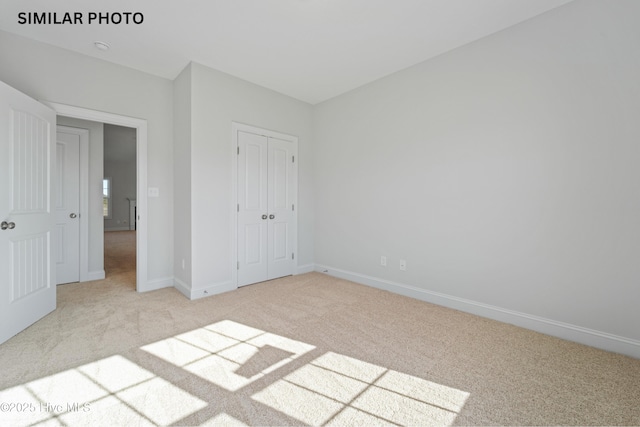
point(119, 203)
point(139, 127)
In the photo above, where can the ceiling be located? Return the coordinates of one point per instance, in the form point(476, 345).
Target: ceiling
point(311, 50)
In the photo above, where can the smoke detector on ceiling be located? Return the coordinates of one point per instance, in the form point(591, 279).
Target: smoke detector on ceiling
point(101, 45)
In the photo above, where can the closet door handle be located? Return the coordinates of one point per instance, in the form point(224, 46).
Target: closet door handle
point(264, 216)
point(272, 216)
point(8, 225)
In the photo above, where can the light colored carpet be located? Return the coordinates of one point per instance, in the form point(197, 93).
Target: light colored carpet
point(120, 257)
point(308, 349)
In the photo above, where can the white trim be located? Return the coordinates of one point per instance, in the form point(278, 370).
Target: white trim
point(182, 287)
point(83, 135)
point(214, 289)
point(235, 127)
point(155, 284)
point(95, 275)
point(567, 331)
point(307, 268)
point(141, 158)
point(234, 203)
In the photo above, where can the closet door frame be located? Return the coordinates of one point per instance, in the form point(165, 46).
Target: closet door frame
point(241, 127)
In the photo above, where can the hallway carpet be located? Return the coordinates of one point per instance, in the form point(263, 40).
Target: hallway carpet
point(120, 257)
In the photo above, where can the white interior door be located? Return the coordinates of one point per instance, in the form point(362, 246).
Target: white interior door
point(252, 208)
point(280, 196)
point(266, 202)
point(67, 206)
point(27, 276)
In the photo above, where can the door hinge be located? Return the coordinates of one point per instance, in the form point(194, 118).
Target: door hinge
point(238, 150)
point(293, 256)
point(238, 266)
point(293, 159)
point(238, 207)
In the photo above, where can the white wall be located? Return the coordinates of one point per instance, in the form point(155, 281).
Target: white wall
point(216, 100)
point(96, 225)
point(52, 74)
point(505, 172)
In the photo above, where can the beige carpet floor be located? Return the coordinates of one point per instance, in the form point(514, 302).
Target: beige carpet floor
point(120, 257)
point(302, 350)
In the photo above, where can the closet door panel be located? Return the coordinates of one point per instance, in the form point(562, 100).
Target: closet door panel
point(252, 208)
point(280, 202)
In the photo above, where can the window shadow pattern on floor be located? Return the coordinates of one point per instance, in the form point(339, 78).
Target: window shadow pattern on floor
point(326, 388)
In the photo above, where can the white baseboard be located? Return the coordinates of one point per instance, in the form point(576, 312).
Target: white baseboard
point(307, 268)
point(95, 275)
point(214, 289)
point(590, 337)
point(155, 284)
point(182, 287)
point(117, 229)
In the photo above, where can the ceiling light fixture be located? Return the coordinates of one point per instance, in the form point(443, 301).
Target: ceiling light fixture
point(101, 45)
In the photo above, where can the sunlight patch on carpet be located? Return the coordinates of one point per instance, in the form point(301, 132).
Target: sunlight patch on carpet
point(110, 391)
point(331, 389)
point(337, 389)
point(225, 420)
point(228, 354)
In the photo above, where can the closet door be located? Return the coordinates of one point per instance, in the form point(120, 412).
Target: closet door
point(266, 200)
point(280, 202)
point(252, 208)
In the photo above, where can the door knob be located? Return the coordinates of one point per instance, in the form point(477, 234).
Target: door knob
point(9, 225)
point(72, 215)
point(264, 217)
point(272, 216)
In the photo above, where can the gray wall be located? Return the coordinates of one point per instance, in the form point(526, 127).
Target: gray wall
point(49, 73)
point(216, 100)
point(505, 172)
point(182, 178)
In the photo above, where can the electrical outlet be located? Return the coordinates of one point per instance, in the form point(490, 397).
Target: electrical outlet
point(383, 261)
point(403, 265)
